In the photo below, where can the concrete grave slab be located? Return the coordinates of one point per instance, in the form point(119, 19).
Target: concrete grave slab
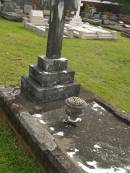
point(87, 31)
point(100, 143)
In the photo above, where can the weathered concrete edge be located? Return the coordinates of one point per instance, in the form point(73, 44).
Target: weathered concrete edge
point(42, 143)
point(55, 161)
point(120, 114)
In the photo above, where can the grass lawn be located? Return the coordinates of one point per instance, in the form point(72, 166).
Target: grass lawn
point(101, 66)
point(13, 156)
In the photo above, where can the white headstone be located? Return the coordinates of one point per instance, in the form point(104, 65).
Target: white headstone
point(36, 13)
point(77, 20)
point(36, 17)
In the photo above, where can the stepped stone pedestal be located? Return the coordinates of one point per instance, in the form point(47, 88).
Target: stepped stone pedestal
point(49, 80)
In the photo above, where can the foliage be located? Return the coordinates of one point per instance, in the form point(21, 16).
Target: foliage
point(125, 6)
point(13, 54)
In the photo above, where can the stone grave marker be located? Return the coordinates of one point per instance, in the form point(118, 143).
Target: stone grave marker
point(77, 20)
point(100, 143)
point(27, 8)
point(0, 6)
point(50, 80)
point(11, 11)
point(37, 18)
point(9, 6)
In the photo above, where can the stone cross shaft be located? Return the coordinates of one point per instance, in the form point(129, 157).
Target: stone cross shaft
point(58, 9)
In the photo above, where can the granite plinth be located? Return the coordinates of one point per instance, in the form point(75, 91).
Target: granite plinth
point(48, 79)
point(47, 94)
point(51, 65)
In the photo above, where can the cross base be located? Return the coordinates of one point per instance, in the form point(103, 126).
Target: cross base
point(49, 80)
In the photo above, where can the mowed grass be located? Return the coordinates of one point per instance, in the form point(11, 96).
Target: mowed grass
point(14, 158)
point(102, 66)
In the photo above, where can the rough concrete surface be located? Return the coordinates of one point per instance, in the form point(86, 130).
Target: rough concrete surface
point(100, 143)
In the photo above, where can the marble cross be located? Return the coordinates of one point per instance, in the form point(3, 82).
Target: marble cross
point(58, 10)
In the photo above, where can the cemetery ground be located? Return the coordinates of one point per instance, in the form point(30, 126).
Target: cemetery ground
point(14, 154)
point(101, 66)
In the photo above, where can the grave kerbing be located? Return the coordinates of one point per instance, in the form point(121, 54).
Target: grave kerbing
point(50, 80)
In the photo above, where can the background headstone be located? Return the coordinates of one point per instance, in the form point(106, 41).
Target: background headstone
point(9, 6)
point(36, 17)
point(27, 8)
point(0, 6)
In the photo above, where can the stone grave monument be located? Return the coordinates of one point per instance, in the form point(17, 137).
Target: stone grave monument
point(37, 22)
point(9, 6)
point(50, 80)
point(37, 18)
point(0, 6)
point(11, 11)
point(27, 8)
point(99, 143)
point(76, 28)
point(77, 20)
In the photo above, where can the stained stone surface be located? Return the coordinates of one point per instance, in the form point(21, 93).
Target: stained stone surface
point(52, 65)
point(27, 8)
point(9, 6)
point(47, 94)
point(50, 79)
point(99, 144)
point(36, 17)
point(11, 11)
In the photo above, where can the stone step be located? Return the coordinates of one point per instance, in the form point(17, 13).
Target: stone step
point(52, 65)
point(48, 94)
point(48, 79)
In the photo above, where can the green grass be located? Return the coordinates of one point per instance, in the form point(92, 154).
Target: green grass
point(13, 158)
point(15, 51)
point(101, 66)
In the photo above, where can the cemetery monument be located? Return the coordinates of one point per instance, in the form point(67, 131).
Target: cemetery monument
point(99, 143)
point(77, 20)
point(50, 80)
point(11, 11)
